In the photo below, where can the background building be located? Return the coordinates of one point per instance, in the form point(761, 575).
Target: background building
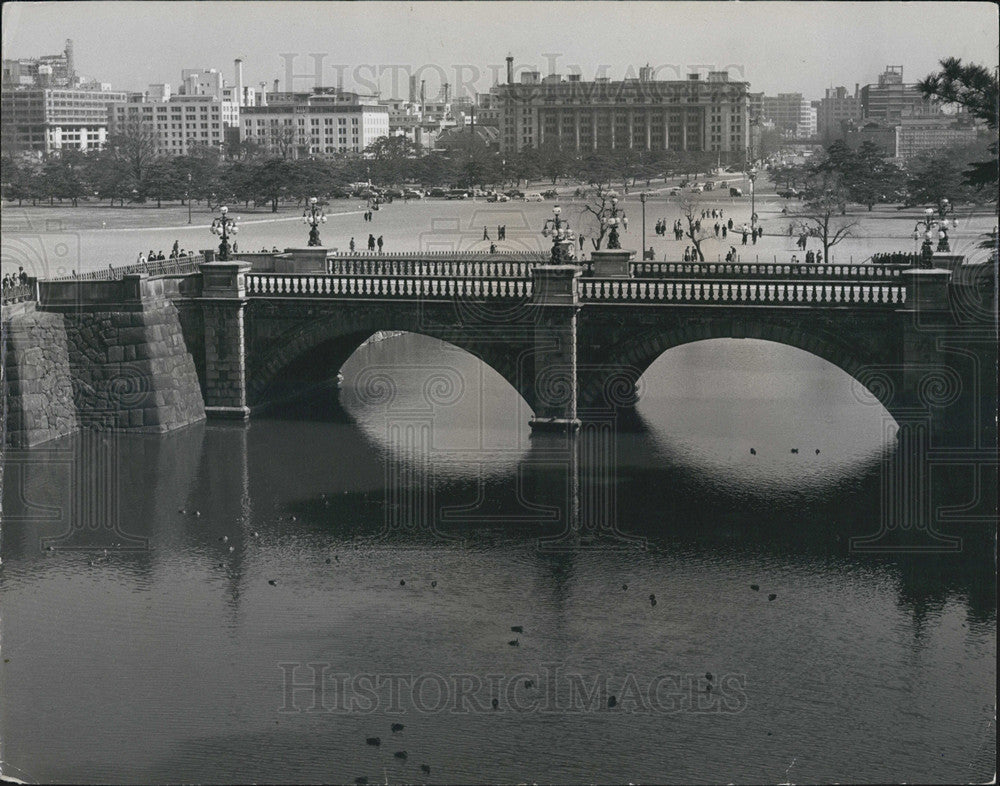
point(326, 121)
point(791, 114)
point(835, 110)
point(890, 99)
point(692, 115)
point(46, 107)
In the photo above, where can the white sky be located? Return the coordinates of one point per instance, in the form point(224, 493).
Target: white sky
point(776, 46)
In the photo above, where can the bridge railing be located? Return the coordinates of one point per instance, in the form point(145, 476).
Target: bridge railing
point(737, 291)
point(403, 287)
point(512, 256)
point(768, 270)
point(160, 267)
point(463, 268)
point(20, 293)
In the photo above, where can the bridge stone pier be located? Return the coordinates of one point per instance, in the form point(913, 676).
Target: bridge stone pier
point(573, 340)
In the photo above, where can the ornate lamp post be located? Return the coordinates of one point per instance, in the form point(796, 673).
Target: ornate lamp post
point(313, 216)
point(642, 198)
point(225, 227)
point(940, 221)
point(615, 219)
point(562, 237)
point(187, 196)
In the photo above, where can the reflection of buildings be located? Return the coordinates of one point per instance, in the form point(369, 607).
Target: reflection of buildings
point(644, 113)
point(47, 107)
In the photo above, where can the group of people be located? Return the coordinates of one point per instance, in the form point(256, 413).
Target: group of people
point(661, 228)
point(501, 232)
point(755, 233)
point(811, 258)
point(11, 280)
point(373, 243)
point(368, 214)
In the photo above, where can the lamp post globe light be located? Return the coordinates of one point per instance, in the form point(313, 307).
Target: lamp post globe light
point(936, 219)
point(562, 237)
point(313, 216)
point(615, 219)
point(225, 226)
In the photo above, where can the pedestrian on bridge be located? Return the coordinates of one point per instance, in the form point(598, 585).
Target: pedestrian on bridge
point(371, 242)
point(486, 235)
point(351, 245)
point(379, 244)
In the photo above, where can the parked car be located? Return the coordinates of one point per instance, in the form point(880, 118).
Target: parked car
point(457, 193)
point(788, 193)
point(534, 196)
point(412, 193)
point(495, 197)
point(515, 194)
point(735, 192)
point(551, 194)
point(675, 192)
point(437, 192)
point(696, 189)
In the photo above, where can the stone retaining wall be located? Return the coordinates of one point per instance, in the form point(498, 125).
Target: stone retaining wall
point(126, 369)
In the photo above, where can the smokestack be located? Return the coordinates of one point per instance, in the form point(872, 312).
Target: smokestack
point(239, 82)
point(422, 84)
point(446, 92)
point(276, 86)
point(413, 89)
point(70, 70)
point(262, 98)
point(510, 69)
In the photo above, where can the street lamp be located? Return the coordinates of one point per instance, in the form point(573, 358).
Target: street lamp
point(225, 227)
point(187, 197)
point(940, 222)
point(642, 198)
point(615, 219)
point(752, 174)
point(562, 236)
point(313, 216)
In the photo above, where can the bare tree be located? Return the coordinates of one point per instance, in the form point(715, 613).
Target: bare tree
point(281, 139)
point(133, 146)
point(694, 234)
point(596, 214)
point(823, 210)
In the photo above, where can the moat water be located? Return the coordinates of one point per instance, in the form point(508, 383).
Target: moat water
point(236, 603)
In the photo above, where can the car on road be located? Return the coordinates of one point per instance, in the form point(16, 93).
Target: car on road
point(412, 193)
point(788, 193)
point(458, 193)
point(735, 192)
point(515, 194)
point(495, 197)
point(675, 192)
point(551, 194)
point(437, 192)
point(696, 189)
point(534, 196)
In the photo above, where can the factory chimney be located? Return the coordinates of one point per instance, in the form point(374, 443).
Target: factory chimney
point(239, 82)
point(510, 69)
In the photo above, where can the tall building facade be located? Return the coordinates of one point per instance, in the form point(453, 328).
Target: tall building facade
point(835, 111)
point(321, 123)
point(177, 124)
point(692, 115)
point(791, 114)
point(891, 98)
point(46, 107)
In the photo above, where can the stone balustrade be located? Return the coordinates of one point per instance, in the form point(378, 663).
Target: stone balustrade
point(740, 292)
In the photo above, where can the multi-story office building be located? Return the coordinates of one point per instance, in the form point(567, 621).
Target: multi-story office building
point(46, 107)
point(916, 134)
point(177, 124)
point(890, 99)
point(692, 115)
point(835, 110)
point(299, 125)
point(790, 113)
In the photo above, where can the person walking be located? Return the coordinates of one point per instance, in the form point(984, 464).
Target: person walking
point(493, 248)
point(716, 228)
point(724, 230)
point(371, 242)
point(351, 245)
point(486, 235)
point(730, 225)
point(379, 242)
point(819, 257)
point(142, 259)
point(810, 257)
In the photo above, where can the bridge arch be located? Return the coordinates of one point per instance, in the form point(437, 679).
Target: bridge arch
point(290, 351)
point(868, 353)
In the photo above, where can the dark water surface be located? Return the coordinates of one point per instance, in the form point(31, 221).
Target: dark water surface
point(410, 525)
